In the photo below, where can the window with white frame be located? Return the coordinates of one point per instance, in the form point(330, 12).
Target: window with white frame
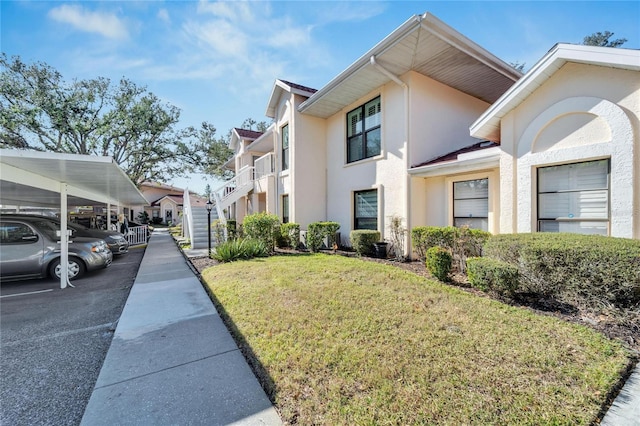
point(285, 147)
point(471, 204)
point(285, 208)
point(366, 209)
point(363, 131)
point(574, 198)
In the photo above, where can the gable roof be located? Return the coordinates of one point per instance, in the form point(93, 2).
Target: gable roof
point(281, 86)
point(242, 134)
point(175, 198)
point(247, 133)
point(423, 44)
point(487, 126)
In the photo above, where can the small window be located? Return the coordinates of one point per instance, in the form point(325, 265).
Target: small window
point(471, 204)
point(574, 198)
point(285, 209)
point(16, 233)
point(285, 147)
point(363, 131)
point(366, 209)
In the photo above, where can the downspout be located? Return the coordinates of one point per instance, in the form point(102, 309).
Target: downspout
point(405, 87)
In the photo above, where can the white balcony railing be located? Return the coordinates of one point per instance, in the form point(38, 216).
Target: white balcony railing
point(264, 166)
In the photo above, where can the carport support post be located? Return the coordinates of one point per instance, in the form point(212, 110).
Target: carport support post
point(64, 237)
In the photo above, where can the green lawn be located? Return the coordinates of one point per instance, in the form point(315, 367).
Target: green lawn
point(339, 340)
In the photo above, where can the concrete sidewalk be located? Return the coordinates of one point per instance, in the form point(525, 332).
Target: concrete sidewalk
point(172, 360)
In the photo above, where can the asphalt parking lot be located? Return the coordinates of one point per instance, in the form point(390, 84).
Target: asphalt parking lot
point(53, 342)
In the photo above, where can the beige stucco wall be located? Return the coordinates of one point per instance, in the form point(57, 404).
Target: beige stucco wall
point(305, 180)
point(438, 120)
point(433, 203)
point(583, 112)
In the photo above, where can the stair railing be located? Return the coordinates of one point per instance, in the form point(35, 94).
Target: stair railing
point(187, 216)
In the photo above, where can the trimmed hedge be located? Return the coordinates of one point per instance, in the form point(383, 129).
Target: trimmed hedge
point(290, 235)
point(425, 237)
point(488, 274)
point(438, 262)
point(461, 242)
point(262, 226)
point(318, 231)
point(362, 241)
point(586, 270)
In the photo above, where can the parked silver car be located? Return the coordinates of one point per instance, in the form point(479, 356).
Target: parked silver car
point(29, 249)
point(116, 241)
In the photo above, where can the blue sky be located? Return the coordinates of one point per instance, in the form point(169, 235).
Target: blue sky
point(217, 61)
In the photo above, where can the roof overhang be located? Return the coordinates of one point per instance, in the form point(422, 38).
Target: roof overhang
point(487, 126)
point(264, 143)
point(33, 178)
point(426, 45)
point(465, 163)
point(280, 87)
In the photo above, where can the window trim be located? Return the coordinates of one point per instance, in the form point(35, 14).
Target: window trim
point(284, 151)
point(453, 198)
point(357, 219)
point(363, 132)
point(539, 219)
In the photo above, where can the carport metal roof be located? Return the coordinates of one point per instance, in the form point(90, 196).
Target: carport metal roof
point(33, 178)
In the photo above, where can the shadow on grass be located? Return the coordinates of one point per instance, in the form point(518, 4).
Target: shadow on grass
point(265, 380)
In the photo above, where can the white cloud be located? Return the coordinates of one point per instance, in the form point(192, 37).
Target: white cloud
point(106, 24)
point(163, 15)
point(218, 36)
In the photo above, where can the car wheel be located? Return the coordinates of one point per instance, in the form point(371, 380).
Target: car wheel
point(75, 269)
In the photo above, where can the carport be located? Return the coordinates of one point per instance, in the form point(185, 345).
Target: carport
point(45, 179)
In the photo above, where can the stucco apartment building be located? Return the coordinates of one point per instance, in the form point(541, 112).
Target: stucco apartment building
point(431, 127)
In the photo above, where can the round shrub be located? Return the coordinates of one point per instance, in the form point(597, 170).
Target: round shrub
point(438, 262)
point(262, 226)
point(362, 241)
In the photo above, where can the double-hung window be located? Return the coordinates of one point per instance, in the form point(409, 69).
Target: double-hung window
point(363, 131)
point(285, 147)
point(366, 209)
point(471, 204)
point(574, 198)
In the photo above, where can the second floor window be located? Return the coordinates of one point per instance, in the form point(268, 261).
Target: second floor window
point(285, 147)
point(363, 131)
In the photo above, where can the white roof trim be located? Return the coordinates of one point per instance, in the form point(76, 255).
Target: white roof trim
point(280, 86)
point(487, 126)
point(469, 162)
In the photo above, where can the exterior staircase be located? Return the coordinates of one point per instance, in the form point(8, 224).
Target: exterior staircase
point(199, 238)
point(195, 218)
point(194, 222)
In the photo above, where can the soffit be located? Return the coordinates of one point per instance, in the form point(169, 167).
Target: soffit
point(425, 45)
point(30, 178)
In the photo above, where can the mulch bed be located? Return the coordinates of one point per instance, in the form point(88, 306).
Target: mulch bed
point(625, 330)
